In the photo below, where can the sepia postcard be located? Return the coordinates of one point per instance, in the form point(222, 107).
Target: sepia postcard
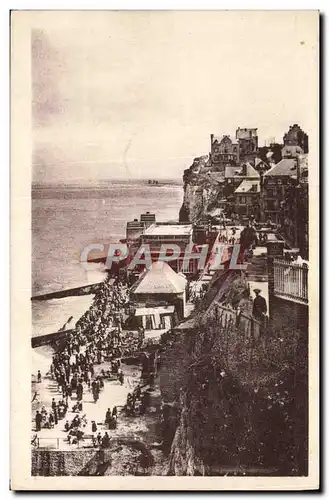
point(164, 250)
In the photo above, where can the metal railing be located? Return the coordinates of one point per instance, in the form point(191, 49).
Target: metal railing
point(58, 443)
point(291, 281)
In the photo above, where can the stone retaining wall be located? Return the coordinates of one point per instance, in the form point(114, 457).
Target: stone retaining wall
point(59, 462)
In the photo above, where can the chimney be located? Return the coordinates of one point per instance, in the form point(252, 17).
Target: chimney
point(211, 139)
point(244, 170)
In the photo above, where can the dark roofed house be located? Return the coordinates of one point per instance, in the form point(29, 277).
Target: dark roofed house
point(294, 208)
point(247, 198)
point(261, 165)
point(285, 167)
point(234, 176)
point(275, 185)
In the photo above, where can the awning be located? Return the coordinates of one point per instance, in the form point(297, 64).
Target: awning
point(149, 311)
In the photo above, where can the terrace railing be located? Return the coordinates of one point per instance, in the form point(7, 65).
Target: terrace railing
point(291, 281)
point(60, 443)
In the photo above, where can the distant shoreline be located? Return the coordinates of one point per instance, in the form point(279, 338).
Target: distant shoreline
point(106, 183)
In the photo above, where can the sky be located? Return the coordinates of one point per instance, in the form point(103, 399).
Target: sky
point(137, 94)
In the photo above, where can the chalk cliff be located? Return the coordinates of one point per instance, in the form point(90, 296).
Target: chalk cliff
point(201, 190)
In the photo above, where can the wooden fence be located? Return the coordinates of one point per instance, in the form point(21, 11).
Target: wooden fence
point(246, 325)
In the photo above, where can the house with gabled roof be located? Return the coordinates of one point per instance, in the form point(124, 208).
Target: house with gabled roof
point(247, 197)
point(274, 187)
point(235, 175)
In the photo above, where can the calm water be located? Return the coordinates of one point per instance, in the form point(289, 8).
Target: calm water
point(66, 219)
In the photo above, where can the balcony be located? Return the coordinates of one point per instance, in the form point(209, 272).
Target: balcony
point(291, 281)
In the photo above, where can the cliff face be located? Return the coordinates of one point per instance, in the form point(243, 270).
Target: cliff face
point(239, 414)
point(201, 191)
point(240, 399)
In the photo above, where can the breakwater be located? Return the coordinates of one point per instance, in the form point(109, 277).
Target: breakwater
point(80, 290)
point(50, 338)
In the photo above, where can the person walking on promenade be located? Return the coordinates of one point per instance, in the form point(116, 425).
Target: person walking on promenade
point(55, 416)
point(259, 309)
point(74, 383)
point(95, 390)
point(39, 377)
point(79, 391)
point(50, 422)
point(115, 412)
point(108, 416)
point(93, 427)
point(38, 420)
point(121, 377)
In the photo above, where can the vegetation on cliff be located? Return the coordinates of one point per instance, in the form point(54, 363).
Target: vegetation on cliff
point(245, 405)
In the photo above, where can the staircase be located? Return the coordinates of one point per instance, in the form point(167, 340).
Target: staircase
point(257, 267)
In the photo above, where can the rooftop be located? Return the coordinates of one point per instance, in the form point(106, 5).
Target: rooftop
point(160, 278)
point(169, 229)
point(285, 167)
point(259, 161)
point(234, 171)
point(224, 138)
point(247, 186)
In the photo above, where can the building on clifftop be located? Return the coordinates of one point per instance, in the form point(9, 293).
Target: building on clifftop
point(247, 139)
point(295, 142)
point(224, 152)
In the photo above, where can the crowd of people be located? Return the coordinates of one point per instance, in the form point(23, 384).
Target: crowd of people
point(137, 402)
point(97, 337)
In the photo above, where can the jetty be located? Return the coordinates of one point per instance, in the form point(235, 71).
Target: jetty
point(80, 290)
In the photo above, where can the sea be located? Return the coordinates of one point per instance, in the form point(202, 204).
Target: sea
point(65, 219)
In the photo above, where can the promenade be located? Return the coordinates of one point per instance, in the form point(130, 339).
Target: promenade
point(113, 394)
